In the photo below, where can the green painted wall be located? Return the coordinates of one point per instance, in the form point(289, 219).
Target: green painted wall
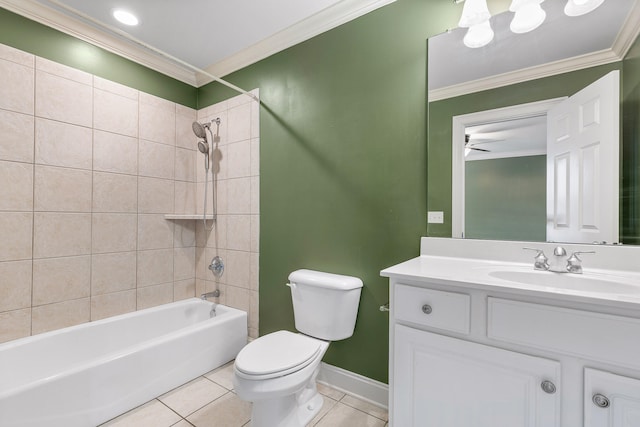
point(506, 199)
point(630, 188)
point(43, 41)
point(343, 163)
point(441, 113)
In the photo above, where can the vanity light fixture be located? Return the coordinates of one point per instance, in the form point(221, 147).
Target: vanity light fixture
point(125, 17)
point(528, 15)
point(581, 7)
point(475, 17)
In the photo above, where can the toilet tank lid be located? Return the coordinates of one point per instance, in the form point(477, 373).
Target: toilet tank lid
point(325, 280)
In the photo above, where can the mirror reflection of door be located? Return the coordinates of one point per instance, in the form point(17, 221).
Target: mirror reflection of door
point(515, 187)
point(582, 164)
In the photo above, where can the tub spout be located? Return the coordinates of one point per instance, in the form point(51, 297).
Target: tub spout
point(214, 294)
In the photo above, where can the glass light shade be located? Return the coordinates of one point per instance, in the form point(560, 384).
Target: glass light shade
point(527, 18)
point(581, 7)
point(478, 35)
point(474, 12)
point(518, 4)
point(124, 17)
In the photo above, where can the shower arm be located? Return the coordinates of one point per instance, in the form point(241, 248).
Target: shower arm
point(139, 42)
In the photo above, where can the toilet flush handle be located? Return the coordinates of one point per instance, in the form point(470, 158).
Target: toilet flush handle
point(291, 285)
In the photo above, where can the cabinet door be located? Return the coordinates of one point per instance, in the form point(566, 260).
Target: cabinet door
point(610, 400)
point(441, 381)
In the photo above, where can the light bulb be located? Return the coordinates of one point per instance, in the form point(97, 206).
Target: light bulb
point(474, 12)
point(527, 18)
point(124, 17)
point(581, 7)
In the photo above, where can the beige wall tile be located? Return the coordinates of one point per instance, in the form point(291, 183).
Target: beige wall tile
point(185, 168)
point(255, 157)
point(254, 312)
point(15, 324)
point(184, 289)
point(63, 71)
point(16, 229)
point(254, 273)
point(184, 263)
point(154, 232)
point(152, 296)
point(113, 304)
point(238, 268)
point(184, 235)
point(185, 197)
point(115, 153)
point(155, 267)
point(155, 195)
point(239, 123)
point(61, 234)
point(18, 136)
point(16, 186)
point(60, 315)
point(114, 232)
point(61, 279)
point(62, 189)
point(239, 196)
point(64, 100)
point(185, 137)
point(237, 298)
point(238, 159)
point(113, 272)
point(115, 193)
point(15, 285)
point(18, 56)
point(63, 144)
point(255, 233)
point(255, 119)
point(115, 88)
point(156, 160)
point(211, 199)
point(115, 113)
point(199, 165)
point(239, 232)
point(157, 119)
point(16, 92)
point(255, 195)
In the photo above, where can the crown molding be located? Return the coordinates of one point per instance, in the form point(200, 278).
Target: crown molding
point(325, 20)
point(35, 11)
point(623, 42)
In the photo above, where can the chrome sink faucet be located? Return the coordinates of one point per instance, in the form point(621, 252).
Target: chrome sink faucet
point(559, 262)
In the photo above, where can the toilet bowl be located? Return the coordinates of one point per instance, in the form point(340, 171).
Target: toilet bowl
point(277, 372)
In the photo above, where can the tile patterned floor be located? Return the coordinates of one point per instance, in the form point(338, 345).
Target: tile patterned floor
point(209, 401)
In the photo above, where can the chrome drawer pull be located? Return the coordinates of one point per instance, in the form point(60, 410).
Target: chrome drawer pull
point(426, 309)
point(548, 387)
point(600, 401)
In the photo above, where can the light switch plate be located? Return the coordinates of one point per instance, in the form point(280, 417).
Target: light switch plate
point(435, 217)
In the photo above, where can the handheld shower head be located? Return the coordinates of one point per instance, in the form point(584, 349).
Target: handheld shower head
point(199, 130)
point(203, 146)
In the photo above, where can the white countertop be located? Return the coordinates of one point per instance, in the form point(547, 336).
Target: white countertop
point(612, 287)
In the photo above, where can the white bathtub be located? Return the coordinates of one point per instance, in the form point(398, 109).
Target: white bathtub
point(87, 374)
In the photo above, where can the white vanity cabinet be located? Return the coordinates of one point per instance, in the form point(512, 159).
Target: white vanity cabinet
point(466, 356)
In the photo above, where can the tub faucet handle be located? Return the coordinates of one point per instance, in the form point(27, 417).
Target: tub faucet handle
point(574, 264)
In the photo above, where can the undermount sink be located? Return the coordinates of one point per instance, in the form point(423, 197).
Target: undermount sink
point(578, 282)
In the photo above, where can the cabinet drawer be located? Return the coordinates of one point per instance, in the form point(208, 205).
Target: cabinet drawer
point(585, 334)
point(437, 309)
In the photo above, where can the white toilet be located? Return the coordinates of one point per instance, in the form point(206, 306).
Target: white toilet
point(277, 371)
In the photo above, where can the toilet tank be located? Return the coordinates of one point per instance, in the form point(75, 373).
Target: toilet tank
point(325, 305)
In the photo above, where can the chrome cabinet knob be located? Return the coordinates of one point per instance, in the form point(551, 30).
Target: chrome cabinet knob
point(548, 387)
point(426, 309)
point(600, 400)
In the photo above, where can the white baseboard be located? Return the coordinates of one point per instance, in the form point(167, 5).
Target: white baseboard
point(354, 384)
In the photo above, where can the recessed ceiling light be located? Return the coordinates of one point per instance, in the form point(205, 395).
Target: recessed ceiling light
point(127, 18)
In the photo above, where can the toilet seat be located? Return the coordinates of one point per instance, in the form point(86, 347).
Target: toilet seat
point(276, 354)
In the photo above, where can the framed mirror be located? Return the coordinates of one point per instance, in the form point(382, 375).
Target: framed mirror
point(553, 62)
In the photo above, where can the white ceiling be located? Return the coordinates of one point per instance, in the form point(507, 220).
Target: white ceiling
point(217, 36)
point(560, 44)
point(512, 138)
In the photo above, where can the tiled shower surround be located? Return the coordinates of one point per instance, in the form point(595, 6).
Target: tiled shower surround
point(88, 169)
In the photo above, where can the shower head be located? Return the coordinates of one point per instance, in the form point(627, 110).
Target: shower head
point(203, 146)
point(199, 130)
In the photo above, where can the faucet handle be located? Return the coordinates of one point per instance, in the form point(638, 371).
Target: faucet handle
point(574, 263)
point(540, 261)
